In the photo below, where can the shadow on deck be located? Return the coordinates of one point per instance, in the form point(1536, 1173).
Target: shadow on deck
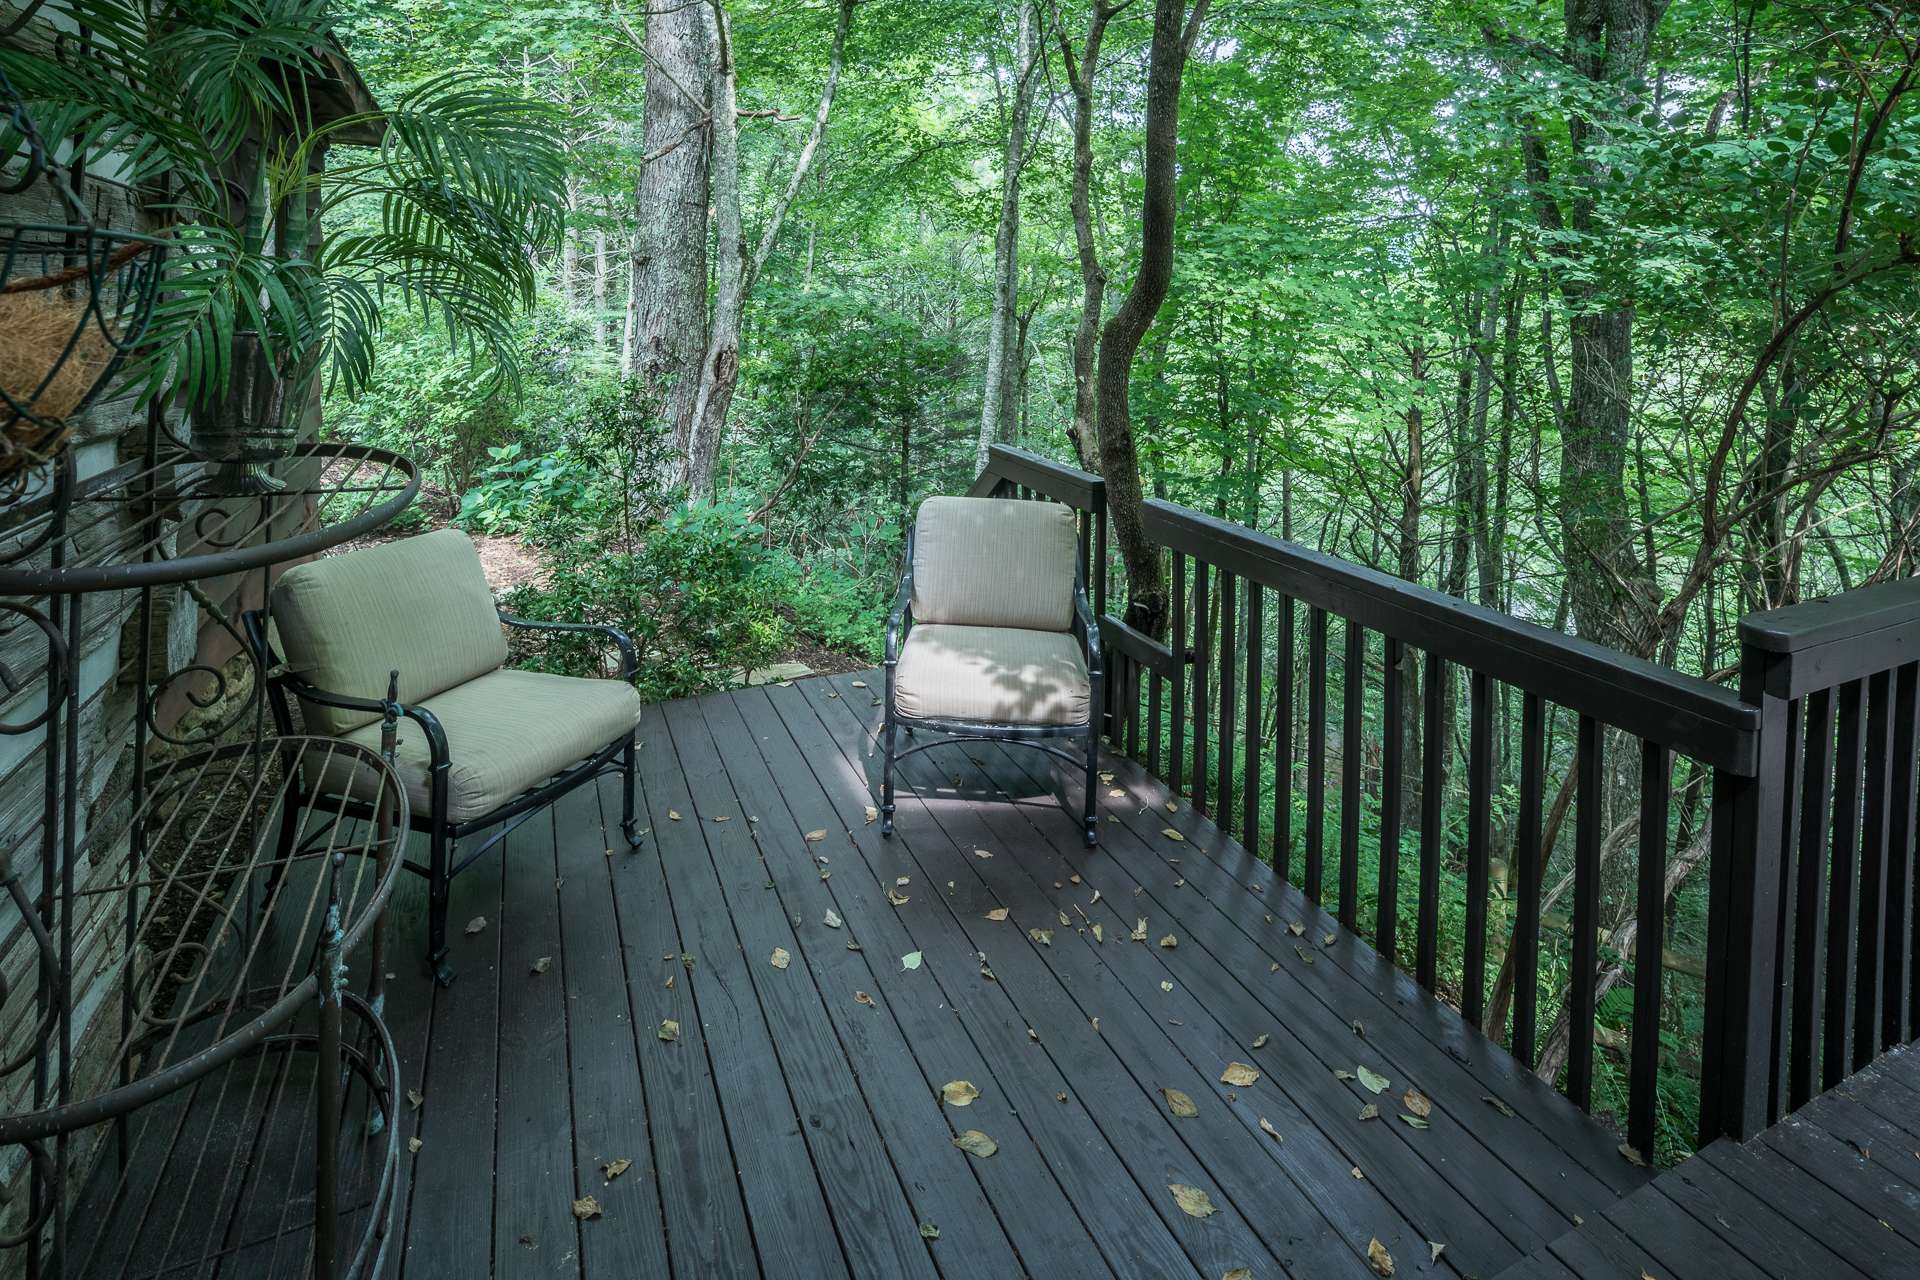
point(795, 1126)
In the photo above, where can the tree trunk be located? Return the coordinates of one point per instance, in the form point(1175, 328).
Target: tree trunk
point(999, 397)
point(734, 272)
point(1120, 339)
point(1093, 280)
point(599, 291)
point(569, 281)
point(630, 314)
point(668, 312)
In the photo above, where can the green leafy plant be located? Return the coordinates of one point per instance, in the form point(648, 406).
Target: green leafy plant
point(212, 105)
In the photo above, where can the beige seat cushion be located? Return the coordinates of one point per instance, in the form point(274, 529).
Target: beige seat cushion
point(420, 605)
point(994, 562)
point(506, 731)
point(1007, 674)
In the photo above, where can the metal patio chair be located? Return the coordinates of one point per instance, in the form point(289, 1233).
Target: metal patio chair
point(991, 636)
point(409, 630)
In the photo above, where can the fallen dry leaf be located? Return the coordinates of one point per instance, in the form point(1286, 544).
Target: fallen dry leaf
point(414, 1144)
point(1193, 1202)
point(911, 960)
point(1418, 1103)
point(897, 898)
point(976, 1143)
point(873, 814)
point(780, 958)
point(861, 997)
point(415, 1098)
point(1435, 1248)
point(812, 837)
point(1042, 936)
point(673, 814)
point(1633, 1156)
point(723, 817)
point(1166, 986)
point(1415, 1122)
point(1239, 1074)
point(1099, 935)
point(1173, 835)
point(1169, 942)
point(929, 1232)
point(669, 1031)
point(1238, 1273)
point(543, 964)
point(997, 914)
point(1379, 1259)
point(586, 1207)
point(833, 920)
point(476, 924)
point(1370, 1080)
point(1260, 1041)
point(858, 684)
point(958, 1093)
point(1139, 933)
point(1370, 1112)
point(1267, 1128)
point(981, 853)
point(612, 1169)
point(1497, 1105)
point(1179, 1103)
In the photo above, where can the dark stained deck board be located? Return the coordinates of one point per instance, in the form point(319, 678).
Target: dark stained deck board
point(1421, 1167)
point(785, 1205)
point(1053, 1188)
point(1360, 976)
point(1354, 1211)
point(1829, 1191)
point(609, 1115)
point(911, 1019)
point(791, 1131)
point(1154, 1149)
point(878, 1229)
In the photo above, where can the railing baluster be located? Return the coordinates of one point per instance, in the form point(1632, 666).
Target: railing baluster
point(1202, 683)
point(1155, 695)
point(1786, 923)
point(1896, 1018)
point(1473, 994)
point(1353, 687)
point(1433, 781)
point(1844, 884)
point(1810, 894)
point(1283, 746)
point(1589, 801)
point(1316, 749)
point(1100, 584)
point(1256, 662)
point(1177, 745)
point(1386, 919)
point(1229, 702)
point(1643, 1064)
point(1873, 873)
point(1133, 708)
point(1526, 846)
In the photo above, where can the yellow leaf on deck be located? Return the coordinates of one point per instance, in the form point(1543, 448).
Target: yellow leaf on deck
point(1179, 1103)
point(958, 1093)
point(1379, 1259)
point(1239, 1074)
point(1193, 1202)
point(586, 1207)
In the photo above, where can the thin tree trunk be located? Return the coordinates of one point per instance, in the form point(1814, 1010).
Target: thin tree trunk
point(1083, 431)
point(999, 397)
point(1120, 339)
point(599, 290)
point(668, 306)
point(734, 271)
point(630, 317)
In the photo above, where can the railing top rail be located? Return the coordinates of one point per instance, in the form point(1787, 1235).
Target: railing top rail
point(1006, 463)
point(1824, 643)
point(1691, 716)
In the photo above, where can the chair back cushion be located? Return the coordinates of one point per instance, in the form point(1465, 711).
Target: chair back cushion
point(994, 562)
point(420, 605)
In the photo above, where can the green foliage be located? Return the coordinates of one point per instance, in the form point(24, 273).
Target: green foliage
point(698, 595)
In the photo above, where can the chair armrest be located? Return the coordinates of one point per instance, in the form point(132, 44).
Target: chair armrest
point(1089, 628)
point(900, 620)
point(307, 691)
point(629, 664)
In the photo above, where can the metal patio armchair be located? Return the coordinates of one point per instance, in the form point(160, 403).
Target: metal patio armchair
point(991, 637)
point(478, 744)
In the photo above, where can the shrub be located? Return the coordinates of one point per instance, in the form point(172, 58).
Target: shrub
point(698, 593)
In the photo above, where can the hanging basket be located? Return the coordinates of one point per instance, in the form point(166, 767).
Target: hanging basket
point(74, 301)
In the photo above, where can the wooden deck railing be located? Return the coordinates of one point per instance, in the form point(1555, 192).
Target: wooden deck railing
point(1798, 789)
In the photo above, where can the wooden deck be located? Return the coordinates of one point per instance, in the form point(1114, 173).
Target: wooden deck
point(1833, 1190)
point(795, 1126)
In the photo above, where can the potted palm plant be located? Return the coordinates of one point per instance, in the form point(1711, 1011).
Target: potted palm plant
point(243, 130)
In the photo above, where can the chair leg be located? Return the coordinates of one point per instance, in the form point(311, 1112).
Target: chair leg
point(627, 827)
point(1093, 780)
point(439, 880)
point(886, 766)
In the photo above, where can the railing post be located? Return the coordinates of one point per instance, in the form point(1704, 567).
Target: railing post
point(1738, 1056)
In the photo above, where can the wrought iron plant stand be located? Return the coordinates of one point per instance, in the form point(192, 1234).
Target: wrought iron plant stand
point(195, 1075)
